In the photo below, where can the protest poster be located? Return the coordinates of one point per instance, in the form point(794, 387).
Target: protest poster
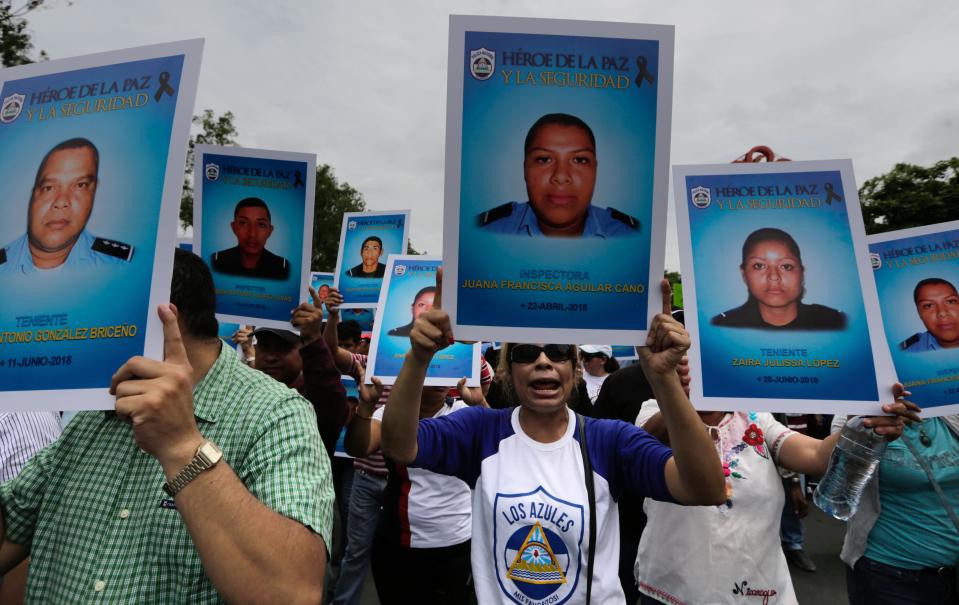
point(91, 158)
point(366, 239)
point(624, 352)
point(557, 155)
point(408, 290)
point(916, 272)
point(780, 303)
point(321, 284)
point(253, 225)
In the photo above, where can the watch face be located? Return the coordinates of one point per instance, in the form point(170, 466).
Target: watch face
point(209, 453)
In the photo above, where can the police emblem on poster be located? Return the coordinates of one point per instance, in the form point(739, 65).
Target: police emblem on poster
point(536, 546)
point(212, 172)
point(700, 197)
point(482, 63)
point(12, 106)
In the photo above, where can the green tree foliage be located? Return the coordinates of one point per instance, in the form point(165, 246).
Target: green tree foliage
point(911, 196)
point(332, 200)
point(213, 130)
point(16, 47)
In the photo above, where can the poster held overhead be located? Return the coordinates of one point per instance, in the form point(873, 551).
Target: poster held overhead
point(253, 225)
point(321, 283)
point(366, 239)
point(557, 155)
point(408, 290)
point(91, 157)
point(779, 300)
point(917, 273)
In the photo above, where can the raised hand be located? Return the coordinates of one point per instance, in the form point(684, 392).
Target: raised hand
point(471, 395)
point(902, 412)
point(667, 340)
point(432, 331)
point(156, 398)
point(333, 301)
point(244, 338)
point(308, 318)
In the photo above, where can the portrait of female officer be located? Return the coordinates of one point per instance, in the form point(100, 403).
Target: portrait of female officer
point(774, 275)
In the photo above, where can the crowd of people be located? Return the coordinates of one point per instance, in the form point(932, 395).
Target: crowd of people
point(217, 477)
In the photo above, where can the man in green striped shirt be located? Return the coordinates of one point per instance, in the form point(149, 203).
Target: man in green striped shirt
point(91, 510)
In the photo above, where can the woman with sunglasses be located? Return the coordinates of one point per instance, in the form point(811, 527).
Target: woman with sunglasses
point(545, 520)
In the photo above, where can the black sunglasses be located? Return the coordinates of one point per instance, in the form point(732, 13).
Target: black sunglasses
point(530, 353)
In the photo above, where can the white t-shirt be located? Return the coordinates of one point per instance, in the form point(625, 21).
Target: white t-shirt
point(729, 553)
point(423, 509)
point(530, 506)
point(593, 385)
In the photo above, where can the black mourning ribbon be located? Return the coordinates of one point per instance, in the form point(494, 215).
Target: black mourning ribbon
point(299, 181)
point(644, 73)
point(164, 87)
point(832, 195)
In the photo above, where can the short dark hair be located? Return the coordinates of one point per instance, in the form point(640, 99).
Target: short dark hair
point(193, 294)
point(929, 281)
point(770, 234)
point(252, 202)
point(372, 238)
point(74, 143)
point(557, 119)
point(423, 291)
point(349, 330)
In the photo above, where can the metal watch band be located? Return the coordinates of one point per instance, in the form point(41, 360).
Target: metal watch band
point(189, 473)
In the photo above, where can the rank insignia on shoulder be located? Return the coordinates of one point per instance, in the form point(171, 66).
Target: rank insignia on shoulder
point(624, 218)
point(909, 342)
point(3, 255)
point(491, 216)
point(113, 248)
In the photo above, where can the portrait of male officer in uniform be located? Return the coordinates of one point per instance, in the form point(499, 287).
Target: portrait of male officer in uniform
point(937, 303)
point(423, 301)
point(370, 251)
point(559, 166)
point(252, 225)
point(61, 203)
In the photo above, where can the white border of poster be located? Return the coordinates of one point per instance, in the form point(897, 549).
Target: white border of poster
point(473, 380)
point(459, 26)
point(928, 411)
point(337, 273)
point(192, 50)
point(882, 361)
point(309, 197)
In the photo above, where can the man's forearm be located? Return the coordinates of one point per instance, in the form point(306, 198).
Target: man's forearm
point(696, 460)
point(402, 413)
point(250, 553)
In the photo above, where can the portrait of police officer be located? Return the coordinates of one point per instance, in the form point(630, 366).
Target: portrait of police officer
point(370, 251)
point(61, 203)
point(937, 304)
point(252, 225)
point(559, 167)
point(422, 302)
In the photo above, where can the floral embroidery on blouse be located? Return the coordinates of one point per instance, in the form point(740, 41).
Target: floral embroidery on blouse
point(754, 437)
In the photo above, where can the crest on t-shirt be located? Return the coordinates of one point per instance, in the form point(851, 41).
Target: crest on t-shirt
point(537, 543)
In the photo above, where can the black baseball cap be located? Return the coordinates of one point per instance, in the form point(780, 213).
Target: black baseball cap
point(287, 336)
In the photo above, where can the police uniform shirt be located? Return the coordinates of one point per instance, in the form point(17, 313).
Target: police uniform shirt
point(87, 252)
point(922, 341)
point(401, 330)
point(270, 266)
point(520, 219)
point(808, 317)
point(357, 271)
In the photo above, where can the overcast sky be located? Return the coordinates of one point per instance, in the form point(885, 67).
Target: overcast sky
point(363, 84)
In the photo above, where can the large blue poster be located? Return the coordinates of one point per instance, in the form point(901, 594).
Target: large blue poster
point(917, 273)
point(253, 225)
point(557, 155)
point(91, 161)
point(778, 297)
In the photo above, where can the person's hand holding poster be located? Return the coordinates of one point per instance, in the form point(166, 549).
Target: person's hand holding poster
point(409, 290)
point(779, 300)
point(91, 159)
point(366, 239)
point(556, 178)
point(253, 225)
point(917, 272)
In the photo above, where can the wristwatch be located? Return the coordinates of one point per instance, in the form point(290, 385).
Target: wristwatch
point(206, 457)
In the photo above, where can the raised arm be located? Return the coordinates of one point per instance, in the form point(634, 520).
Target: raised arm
point(694, 474)
point(431, 332)
point(341, 356)
point(363, 433)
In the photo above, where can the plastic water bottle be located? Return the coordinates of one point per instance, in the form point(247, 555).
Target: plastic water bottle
point(853, 462)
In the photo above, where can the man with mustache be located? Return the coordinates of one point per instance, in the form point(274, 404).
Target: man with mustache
point(252, 225)
point(60, 206)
